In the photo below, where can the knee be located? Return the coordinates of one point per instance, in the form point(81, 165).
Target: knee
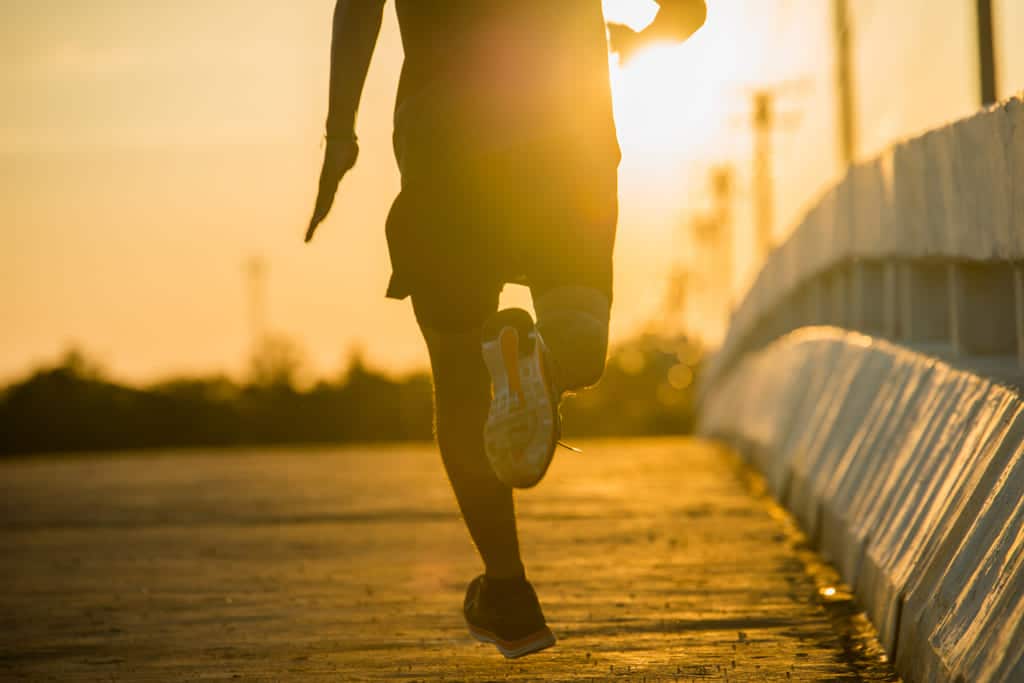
point(587, 367)
point(574, 324)
point(579, 346)
point(593, 369)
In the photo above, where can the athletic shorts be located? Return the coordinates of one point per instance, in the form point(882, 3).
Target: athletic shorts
point(543, 214)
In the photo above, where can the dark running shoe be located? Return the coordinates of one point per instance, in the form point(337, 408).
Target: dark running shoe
point(507, 614)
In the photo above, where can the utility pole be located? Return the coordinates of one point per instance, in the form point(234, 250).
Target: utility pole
point(676, 294)
point(764, 205)
point(986, 53)
point(712, 240)
point(256, 279)
point(764, 121)
point(844, 83)
point(721, 195)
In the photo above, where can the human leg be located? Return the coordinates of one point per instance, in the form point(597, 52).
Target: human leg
point(565, 350)
point(461, 401)
point(501, 606)
point(573, 321)
point(571, 277)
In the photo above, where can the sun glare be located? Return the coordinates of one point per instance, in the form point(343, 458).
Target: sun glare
point(662, 109)
point(670, 99)
point(636, 14)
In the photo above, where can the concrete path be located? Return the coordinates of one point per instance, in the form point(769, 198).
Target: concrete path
point(655, 560)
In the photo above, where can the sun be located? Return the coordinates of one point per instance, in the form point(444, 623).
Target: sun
point(635, 14)
point(664, 111)
point(669, 101)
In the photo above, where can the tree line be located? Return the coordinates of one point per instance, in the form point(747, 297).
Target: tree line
point(74, 405)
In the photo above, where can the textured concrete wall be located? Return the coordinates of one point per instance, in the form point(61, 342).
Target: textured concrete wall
point(923, 243)
point(909, 475)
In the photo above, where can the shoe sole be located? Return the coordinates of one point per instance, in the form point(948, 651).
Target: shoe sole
point(513, 649)
point(516, 347)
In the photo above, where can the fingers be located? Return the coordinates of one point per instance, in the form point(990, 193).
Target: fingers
point(679, 21)
point(311, 229)
point(314, 222)
point(674, 23)
point(619, 36)
point(624, 41)
point(338, 159)
point(330, 176)
point(324, 202)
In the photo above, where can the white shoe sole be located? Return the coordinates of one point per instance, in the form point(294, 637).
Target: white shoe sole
point(522, 426)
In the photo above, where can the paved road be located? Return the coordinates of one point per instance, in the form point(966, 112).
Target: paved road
point(655, 560)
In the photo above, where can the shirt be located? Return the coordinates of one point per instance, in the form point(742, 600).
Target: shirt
point(481, 75)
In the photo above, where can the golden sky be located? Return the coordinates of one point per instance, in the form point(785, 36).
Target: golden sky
point(148, 150)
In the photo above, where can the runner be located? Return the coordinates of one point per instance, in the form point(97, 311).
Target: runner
point(506, 143)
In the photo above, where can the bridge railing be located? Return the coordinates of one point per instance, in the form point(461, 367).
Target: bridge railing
point(905, 471)
point(923, 245)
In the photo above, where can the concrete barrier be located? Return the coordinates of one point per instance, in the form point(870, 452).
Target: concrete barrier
point(919, 245)
point(909, 475)
point(902, 459)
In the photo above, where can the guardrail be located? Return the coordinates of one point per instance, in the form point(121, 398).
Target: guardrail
point(923, 245)
point(905, 469)
point(908, 475)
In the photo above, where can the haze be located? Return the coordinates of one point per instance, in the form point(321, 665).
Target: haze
point(149, 150)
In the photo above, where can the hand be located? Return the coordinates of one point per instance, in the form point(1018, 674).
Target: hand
point(675, 22)
point(625, 42)
point(339, 157)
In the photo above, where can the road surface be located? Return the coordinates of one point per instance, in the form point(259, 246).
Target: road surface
point(655, 560)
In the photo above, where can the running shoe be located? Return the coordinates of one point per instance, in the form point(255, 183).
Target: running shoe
point(523, 425)
point(507, 614)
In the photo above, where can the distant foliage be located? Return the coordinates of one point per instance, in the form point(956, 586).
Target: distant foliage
point(73, 406)
point(648, 388)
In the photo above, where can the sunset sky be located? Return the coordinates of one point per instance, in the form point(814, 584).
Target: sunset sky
point(148, 150)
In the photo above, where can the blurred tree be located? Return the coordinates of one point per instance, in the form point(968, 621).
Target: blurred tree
point(276, 362)
point(72, 406)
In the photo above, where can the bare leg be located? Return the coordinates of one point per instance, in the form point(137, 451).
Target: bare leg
point(462, 396)
point(574, 323)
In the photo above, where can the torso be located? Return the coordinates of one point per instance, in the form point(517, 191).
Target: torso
point(484, 75)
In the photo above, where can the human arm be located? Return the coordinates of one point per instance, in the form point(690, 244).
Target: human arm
point(356, 26)
point(675, 22)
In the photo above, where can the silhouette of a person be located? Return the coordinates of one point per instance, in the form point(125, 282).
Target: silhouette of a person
point(504, 135)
